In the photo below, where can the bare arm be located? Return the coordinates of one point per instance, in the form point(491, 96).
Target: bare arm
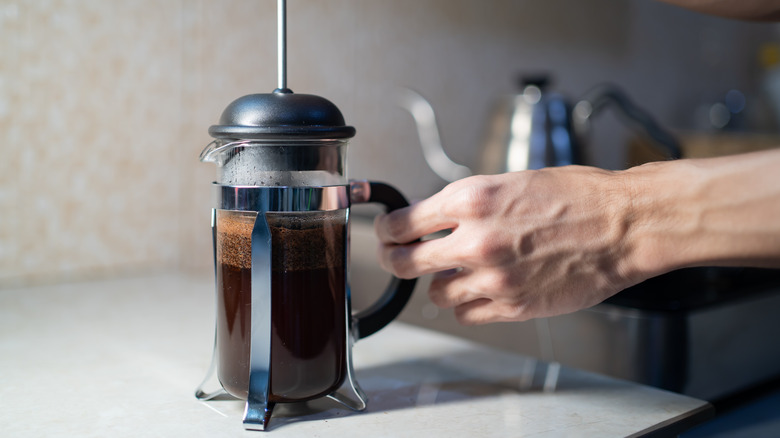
point(762, 10)
point(540, 243)
point(718, 212)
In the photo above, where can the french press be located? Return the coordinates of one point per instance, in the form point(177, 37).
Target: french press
point(280, 226)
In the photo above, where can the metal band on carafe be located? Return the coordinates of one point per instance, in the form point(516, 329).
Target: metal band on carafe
point(262, 199)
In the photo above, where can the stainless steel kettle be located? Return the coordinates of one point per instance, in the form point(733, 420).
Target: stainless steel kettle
point(532, 129)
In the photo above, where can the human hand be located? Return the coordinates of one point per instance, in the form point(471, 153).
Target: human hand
point(523, 245)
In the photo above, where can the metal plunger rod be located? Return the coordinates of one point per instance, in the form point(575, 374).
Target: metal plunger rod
point(281, 28)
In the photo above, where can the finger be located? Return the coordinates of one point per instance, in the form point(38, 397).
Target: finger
point(480, 311)
point(478, 296)
point(408, 224)
point(420, 258)
point(455, 287)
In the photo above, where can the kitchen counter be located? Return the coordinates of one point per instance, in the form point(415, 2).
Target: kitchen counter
point(122, 357)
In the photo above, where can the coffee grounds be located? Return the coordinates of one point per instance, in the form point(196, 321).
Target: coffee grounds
point(301, 240)
point(234, 238)
point(310, 240)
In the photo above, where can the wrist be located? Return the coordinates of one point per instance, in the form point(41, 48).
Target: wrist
point(662, 221)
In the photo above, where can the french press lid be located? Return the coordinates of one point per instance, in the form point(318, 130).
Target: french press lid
point(281, 115)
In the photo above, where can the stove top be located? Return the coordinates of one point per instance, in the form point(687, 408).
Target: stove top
point(696, 288)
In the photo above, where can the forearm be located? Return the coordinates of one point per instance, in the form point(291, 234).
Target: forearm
point(742, 9)
point(710, 212)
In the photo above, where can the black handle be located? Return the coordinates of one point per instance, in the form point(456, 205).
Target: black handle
point(599, 96)
point(398, 292)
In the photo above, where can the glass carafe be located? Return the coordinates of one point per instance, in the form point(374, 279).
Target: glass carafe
point(284, 325)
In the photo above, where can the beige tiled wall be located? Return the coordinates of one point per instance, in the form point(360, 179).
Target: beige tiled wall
point(89, 118)
point(104, 105)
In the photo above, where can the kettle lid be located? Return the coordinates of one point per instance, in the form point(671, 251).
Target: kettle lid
point(281, 115)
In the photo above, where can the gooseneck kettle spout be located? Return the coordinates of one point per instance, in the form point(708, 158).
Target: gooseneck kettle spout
point(430, 139)
point(532, 129)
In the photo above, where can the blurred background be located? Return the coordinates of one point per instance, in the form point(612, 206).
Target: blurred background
point(105, 106)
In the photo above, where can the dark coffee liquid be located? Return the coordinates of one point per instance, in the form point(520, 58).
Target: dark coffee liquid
point(308, 307)
point(234, 306)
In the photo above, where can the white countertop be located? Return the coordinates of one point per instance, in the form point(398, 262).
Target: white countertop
point(122, 358)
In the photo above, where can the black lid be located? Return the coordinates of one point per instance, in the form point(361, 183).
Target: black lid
point(281, 114)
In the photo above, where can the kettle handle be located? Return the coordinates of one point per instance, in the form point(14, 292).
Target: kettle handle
point(598, 97)
point(398, 292)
